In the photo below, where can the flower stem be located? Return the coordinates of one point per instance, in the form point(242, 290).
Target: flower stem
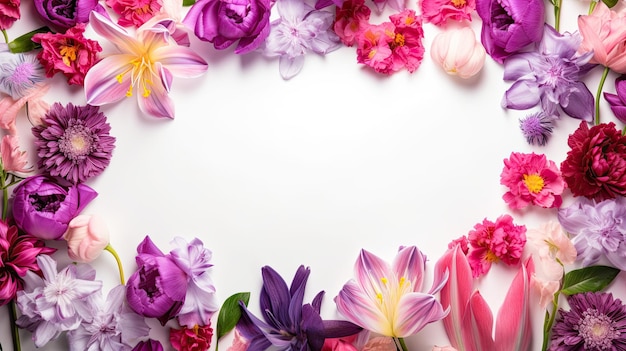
point(557, 14)
point(110, 249)
point(605, 73)
point(592, 5)
point(549, 321)
point(6, 37)
point(15, 333)
point(400, 344)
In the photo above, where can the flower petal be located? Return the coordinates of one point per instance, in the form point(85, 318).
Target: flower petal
point(181, 61)
point(101, 82)
point(414, 312)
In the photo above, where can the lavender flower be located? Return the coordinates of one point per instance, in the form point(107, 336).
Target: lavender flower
point(597, 228)
point(56, 302)
point(537, 128)
point(595, 321)
point(299, 29)
point(550, 76)
point(19, 72)
point(74, 142)
point(617, 102)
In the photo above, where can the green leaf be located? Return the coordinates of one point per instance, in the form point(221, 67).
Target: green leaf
point(24, 43)
point(230, 313)
point(191, 2)
point(610, 3)
point(588, 279)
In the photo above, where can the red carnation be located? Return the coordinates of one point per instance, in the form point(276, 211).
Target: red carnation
point(595, 166)
point(197, 338)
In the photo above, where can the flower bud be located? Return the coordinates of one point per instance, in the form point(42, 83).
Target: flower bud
point(458, 52)
point(86, 237)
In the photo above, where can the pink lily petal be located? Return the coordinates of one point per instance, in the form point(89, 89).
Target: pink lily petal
point(410, 264)
point(181, 61)
point(414, 311)
point(101, 82)
point(156, 101)
point(478, 324)
point(357, 307)
point(370, 272)
point(112, 32)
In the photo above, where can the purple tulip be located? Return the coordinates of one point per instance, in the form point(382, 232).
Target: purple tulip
point(63, 14)
point(617, 102)
point(158, 288)
point(148, 345)
point(510, 25)
point(223, 22)
point(44, 208)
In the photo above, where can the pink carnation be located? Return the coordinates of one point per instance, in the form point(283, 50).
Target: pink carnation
point(438, 12)
point(9, 13)
point(134, 12)
point(350, 20)
point(71, 53)
point(531, 179)
point(493, 242)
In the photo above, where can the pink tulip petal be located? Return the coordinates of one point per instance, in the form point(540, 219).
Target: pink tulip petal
point(414, 311)
point(359, 308)
point(369, 272)
point(409, 264)
point(478, 324)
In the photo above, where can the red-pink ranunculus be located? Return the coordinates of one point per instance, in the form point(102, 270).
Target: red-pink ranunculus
point(86, 237)
point(197, 338)
point(134, 12)
point(9, 13)
point(71, 53)
point(350, 20)
point(603, 33)
point(438, 12)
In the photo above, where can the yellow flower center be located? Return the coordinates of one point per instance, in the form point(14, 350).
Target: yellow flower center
point(533, 182)
point(68, 52)
point(141, 71)
point(491, 257)
point(398, 40)
point(458, 3)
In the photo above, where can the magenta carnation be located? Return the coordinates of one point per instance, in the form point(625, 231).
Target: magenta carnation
point(9, 13)
point(438, 12)
point(74, 142)
point(531, 179)
point(134, 13)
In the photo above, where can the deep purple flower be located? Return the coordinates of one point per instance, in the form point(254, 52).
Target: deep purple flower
point(617, 102)
point(551, 76)
point(148, 345)
point(74, 142)
point(61, 15)
point(288, 324)
point(158, 288)
point(224, 22)
point(43, 207)
point(510, 25)
point(598, 228)
point(537, 128)
point(595, 321)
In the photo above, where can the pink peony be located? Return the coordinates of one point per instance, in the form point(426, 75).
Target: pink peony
point(71, 53)
point(9, 13)
point(134, 12)
point(531, 179)
point(350, 20)
point(438, 12)
point(492, 242)
point(603, 33)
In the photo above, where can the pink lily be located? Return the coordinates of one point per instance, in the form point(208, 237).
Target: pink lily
point(147, 61)
point(470, 323)
point(386, 299)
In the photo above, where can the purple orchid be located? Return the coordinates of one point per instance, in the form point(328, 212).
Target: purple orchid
point(597, 228)
point(551, 76)
point(299, 29)
point(617, 102)
point(288, 324)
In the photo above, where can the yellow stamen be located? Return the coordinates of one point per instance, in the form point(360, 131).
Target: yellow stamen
point(68, 52)
point(384, 280)
point(379, 296)
point(533, 182)
point(398, 40)
point(491, 257)
point(458, 3)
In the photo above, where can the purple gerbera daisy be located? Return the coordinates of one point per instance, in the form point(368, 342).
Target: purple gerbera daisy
point(74, 142)
point(595, 321)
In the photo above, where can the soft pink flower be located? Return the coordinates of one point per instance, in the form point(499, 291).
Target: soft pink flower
point(603, 33)
point(443, 348)
point(438, 12)
point(71, 53)
point(531, 179)
point(350, 20)
point(14, 160)
point(239, 342)
point(545, 289)
point(134, 12)
point(458, 52)
point(492, 242)
point(86, 237)
point(340, 344)
point(380, 343)
point(37, 108)
point(9, 13)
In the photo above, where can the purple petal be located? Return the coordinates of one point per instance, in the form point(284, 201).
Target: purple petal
point(522, 95)
point(579, 102)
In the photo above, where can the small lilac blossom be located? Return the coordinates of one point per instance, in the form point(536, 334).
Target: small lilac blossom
point(113, 327)
point(57, 301)
point(536, 128)
point(200, 302)
point(617, 102)
point(550, 76)
point(598, 228)
point(19, 73)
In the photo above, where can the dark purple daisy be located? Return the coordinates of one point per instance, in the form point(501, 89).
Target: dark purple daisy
point(596, 321)
point(74, 142)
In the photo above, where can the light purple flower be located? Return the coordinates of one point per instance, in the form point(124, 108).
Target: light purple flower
point(537, 128)
point(598, 228)
point(19, 73)
point(299, 29)
point(617, 102)
point(550, 76)
point(200, 301)
point(114, 326)
point(58, 301)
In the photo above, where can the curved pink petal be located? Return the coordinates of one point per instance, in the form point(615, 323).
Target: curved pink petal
point(478, 324)
point(181, 61)
point(109, 80)
point(409, 264)
point(156, 100)
point(112, 32)
point(371, 272)
point(414, 312)
point(360, 309)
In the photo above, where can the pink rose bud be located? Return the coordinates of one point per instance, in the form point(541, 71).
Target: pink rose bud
point(458, 52)
point(86, 237)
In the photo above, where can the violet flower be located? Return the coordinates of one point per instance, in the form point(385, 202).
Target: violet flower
point(598, 228)
point(44, 208)
point(148, 345)
point(61, 15)
point(550, 76)
point(299, 29)
point(288, 324)
point(617, 102)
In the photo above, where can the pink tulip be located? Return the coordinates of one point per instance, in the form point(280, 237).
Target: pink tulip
point(86, 237)
point(458, 52)
point(603, 33)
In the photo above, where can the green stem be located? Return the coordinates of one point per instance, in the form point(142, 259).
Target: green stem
point(110, 249)
point(557, 14)
point(592, 5)
point(605, 73)
point(6, 37)
point(15, 333)
point(402, 347)
point(549, 321)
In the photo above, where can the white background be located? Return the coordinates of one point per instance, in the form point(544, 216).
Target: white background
point(309, 171)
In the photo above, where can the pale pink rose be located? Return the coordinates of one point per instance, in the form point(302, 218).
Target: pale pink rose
point(14, 160)
point(86, 237)
point(603, 33)
point(458, 52)
point(443, 348)
point(550, 243)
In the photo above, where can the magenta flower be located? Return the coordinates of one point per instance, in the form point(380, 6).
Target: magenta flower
point(617, 102)
point(134, 13)
point(60, 15)
point(439, 12)
point(44, 208)
point(532, 180)
point(74, 142)
point(9, 13)
point(386, 298)
point(148, 345)
point(351, 18)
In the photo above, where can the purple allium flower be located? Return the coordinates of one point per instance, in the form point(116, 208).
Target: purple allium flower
point(299, 29)
point(550, 76)
point(597, 228)
point(617, 102)
point(113, 327)
point(596, 321)
point(537, 128)
point(74, 142)
point(58, 301)
point(19, 72)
